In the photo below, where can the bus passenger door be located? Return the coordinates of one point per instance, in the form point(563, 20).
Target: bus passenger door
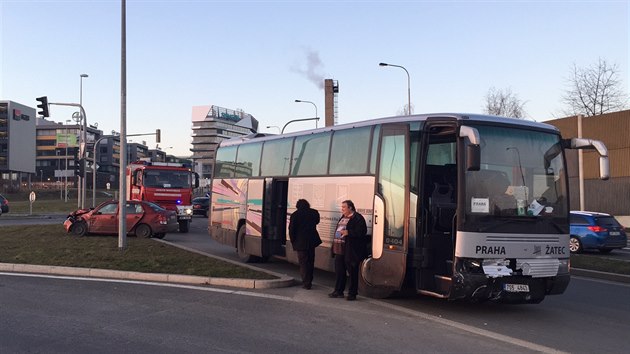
point(382, 275)
point(275, 216)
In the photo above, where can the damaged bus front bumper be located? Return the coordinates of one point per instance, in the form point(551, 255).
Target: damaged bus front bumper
point(505, 284)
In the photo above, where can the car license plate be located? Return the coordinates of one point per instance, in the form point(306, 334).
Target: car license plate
point(516, 288)
point(614, 233)
point(185, 217)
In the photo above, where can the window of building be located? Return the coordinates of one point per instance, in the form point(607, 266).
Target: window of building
point(46, 132)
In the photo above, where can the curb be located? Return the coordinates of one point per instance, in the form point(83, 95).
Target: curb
point(620, 278)
point(156, 277)
point(283, 280)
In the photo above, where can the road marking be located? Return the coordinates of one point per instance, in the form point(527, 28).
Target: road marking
point(463, 327)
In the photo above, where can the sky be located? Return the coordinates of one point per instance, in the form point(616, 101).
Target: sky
point(260, 56)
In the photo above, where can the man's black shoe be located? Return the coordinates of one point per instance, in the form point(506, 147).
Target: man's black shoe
point(351, 297)
point(335, 294)
point(307, 286)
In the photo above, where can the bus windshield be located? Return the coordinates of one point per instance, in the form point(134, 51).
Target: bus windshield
point(522, 177)
point(167, 179)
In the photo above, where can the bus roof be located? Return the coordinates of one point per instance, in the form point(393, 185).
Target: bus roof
point(398, 119)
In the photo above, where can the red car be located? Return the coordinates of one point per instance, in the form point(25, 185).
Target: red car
point(144, 219)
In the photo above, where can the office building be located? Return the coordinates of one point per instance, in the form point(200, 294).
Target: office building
point(210, 126)
point(17, 152)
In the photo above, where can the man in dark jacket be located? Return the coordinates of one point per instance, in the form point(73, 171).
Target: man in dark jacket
point(304, 238)
point(353, 229)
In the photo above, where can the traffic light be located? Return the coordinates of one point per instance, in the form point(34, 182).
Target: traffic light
point(158, 136)
point(79, 166)
point(43, 105)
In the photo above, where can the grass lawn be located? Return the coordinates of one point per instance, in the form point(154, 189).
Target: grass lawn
point(51, 245)
point(601, 264)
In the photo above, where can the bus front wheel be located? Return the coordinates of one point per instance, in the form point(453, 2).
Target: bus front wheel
point(240, 247)
point(369, 290)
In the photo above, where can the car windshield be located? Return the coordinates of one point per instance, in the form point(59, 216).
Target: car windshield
point(167, 179)
point(155, 206)
point(521, 176)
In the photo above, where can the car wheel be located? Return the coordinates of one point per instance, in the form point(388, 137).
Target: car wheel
point(143, 230)
point(605, 250)
point(79, 228)
point(575, 246)
point(206, 214)
point(159, 235)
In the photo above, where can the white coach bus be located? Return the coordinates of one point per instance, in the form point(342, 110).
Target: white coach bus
point(457, 206)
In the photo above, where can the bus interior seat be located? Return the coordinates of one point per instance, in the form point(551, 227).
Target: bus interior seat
point(440, 183)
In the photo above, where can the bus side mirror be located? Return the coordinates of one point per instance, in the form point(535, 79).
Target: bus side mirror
point(473, 151)
point(473, 157)
point(196, 180)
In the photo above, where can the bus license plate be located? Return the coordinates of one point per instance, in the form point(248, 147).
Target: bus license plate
point(516, 288)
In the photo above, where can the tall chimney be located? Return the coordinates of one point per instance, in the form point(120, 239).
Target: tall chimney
point(331, 90)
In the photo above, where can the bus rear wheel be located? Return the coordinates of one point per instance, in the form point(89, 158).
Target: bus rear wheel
point(240, 247)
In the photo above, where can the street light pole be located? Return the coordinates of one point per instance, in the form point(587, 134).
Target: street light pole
point(408, 85)
point(296, 120)
point(300, 101)
point(58, 181)
point(274, 126)
point(84, 143)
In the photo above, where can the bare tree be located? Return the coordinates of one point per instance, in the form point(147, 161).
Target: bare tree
point(595, 89)
point(503, 102)
point(403, 110)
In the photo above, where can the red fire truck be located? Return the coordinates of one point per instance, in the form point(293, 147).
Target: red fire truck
point(167, 184)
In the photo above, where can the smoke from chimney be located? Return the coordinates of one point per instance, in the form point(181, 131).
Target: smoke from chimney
point(313, 69)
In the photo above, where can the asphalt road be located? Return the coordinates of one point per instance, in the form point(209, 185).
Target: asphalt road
point(591, 316)
point(53, 315)
point(22, 219)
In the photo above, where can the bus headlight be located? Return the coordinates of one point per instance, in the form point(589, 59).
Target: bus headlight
point(564, 266)
point(470, 265)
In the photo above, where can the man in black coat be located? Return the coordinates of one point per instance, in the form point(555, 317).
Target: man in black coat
point(304, 238)
point(353, 229)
